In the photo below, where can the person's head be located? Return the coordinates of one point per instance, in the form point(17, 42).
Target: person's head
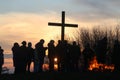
point(24, 43)
point(52, 41)
point(74, 43)
point(16, 44)
point(42, 41)
point(59, 41)
point(29, 44)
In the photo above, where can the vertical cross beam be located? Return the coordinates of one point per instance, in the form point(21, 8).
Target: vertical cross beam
point(63, 25)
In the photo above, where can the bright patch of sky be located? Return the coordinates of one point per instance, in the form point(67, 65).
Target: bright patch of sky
point(19, 17)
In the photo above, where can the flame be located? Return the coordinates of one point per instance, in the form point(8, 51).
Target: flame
point(55, 67)
point(55, 59)
point(95, 65)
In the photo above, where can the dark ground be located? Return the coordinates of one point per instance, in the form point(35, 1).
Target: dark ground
point(62, 76)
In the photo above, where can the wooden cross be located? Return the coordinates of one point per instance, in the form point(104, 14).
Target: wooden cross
point(62, 24)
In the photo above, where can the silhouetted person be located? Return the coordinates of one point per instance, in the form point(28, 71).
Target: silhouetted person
point(66, 56)
point(101, 50)
point(40, 49)
point(88, 54)
point(30, 55)
point(36, 62)
point(116, 56)
point(1, 59)
point(61, 51)
point(23, 57)
point(16, 57)
point(75, 55)
point(58, 51)
point(51, 54)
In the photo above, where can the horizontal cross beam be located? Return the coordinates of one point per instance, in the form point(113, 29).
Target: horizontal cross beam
point(59, 24)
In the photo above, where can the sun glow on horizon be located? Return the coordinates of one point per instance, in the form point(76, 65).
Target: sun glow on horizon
point(31, 27)
point(16, 27)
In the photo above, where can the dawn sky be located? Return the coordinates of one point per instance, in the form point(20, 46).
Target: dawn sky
point(28, 19)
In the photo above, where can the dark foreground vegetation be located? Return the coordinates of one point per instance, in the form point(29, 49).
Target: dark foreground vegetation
point(62, 76)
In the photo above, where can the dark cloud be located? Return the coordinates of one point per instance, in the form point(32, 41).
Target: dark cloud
point(97, 9)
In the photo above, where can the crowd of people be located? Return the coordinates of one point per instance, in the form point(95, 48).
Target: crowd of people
point(69, 56)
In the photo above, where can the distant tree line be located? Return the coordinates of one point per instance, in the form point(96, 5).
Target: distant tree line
point(93, 35)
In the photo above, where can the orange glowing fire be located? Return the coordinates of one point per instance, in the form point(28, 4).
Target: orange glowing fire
point(95, 65)
point(55, 60)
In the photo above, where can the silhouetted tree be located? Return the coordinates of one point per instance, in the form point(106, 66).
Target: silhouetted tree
point(85, 36)
point(96, 37)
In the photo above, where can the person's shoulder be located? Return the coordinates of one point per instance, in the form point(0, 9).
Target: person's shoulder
point(2, 50)
point(37, 43)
